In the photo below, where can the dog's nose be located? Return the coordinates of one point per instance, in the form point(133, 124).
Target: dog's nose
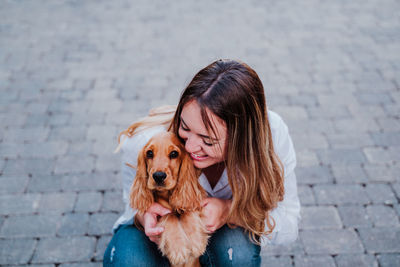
point(159, 177)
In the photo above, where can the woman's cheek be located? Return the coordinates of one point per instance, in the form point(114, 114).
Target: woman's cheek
point(181, 134)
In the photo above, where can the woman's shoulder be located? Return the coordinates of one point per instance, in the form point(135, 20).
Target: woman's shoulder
point(277, 125)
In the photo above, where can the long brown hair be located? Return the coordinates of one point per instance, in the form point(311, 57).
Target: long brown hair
point(234, 93)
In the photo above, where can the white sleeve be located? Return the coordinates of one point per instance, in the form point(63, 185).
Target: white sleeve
point(130, 149)
point(287, 213)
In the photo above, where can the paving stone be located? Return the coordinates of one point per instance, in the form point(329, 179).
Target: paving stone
point(340, 194)
point(388, 260)
point(101, 246)
point(342, 241)
point(101, 133)
point(328, 112)
point(88, 118)
point(295, 248)
point(381, 193)
point(16, 120)
point(80, 149)
point(306, 158)
point(386, 138)
point(16, 251)
point(291, 112)
point(58, 202)
point(314, 261)
point(107, 163)
point(306, 125)
point(373, 98)
point(349, 173)
point(19, 204)
point(358, 125)
point(354, 216)
point(46, 150)
point(306, 195)
point(314, 175)
point(276, 261)
point(38, 265)
point(381, 240)
point(380, 173)
point(38, 226)
point(320, 218)
point(29, 166)
point(338, 96)
point(383, 216)
point(13, 183)
point(396, 187)
point(31, 134)
point(74, 164)
point(378, 155)
point(341, 156)
point(45, 183)
point(68, 133)
point(58, 119)
point(74, 224)
point(93, 181)
point(105, 106)
point(10, 151)
point(2, 164)
point(350, 260)
point(65, 249)
point(349, 140)
point(309, 141)
point(89, 202)
point(83, 264)
point(388, 124)
point(113, 201)
point(101, 223)
point(106, 149)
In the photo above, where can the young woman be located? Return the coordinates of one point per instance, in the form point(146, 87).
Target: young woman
point(247, 160)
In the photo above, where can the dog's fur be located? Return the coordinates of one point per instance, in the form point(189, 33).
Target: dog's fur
point(185, 237)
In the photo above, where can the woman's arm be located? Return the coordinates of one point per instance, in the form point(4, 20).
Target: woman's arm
point(287, 214)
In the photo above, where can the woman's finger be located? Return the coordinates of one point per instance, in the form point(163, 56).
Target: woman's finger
point(153, 231)
point(158, 209)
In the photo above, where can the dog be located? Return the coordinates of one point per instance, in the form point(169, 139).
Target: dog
point(165, 174)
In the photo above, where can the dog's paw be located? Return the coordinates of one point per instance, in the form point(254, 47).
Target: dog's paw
point(179, 256)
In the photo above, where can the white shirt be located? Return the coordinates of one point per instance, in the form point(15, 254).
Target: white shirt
point(286, 214)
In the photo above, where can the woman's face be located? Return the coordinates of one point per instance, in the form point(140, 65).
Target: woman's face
point(204, 149)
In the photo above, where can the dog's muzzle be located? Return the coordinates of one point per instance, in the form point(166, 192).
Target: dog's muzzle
point(159, 177)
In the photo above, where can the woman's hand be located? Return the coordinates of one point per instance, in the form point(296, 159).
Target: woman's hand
point(215, 212)
point(149, 221)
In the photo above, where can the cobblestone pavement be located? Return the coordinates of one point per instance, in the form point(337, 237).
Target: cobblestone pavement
point(75, 73)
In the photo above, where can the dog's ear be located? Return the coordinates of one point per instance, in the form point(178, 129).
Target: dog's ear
point(141, 197)
point(188, 194)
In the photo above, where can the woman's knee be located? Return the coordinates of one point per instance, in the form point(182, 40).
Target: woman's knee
point(232, 247)
point(130, 247)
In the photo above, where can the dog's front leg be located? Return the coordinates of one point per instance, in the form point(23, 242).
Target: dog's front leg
point(174, 243)
point(195, 229)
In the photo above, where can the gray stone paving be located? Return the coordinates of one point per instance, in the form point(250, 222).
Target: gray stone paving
point(75, 73)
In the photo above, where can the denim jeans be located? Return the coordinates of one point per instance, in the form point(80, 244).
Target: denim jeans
point(226, 247)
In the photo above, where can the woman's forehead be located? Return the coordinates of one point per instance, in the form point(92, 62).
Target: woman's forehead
point(192, 117)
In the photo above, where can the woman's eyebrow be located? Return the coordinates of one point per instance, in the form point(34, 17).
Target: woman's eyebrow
point(201, 135)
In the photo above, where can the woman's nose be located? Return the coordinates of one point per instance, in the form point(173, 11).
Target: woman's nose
point(192, 145)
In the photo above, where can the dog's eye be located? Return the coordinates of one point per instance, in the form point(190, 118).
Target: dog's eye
point(149, 154)
point(173, 155)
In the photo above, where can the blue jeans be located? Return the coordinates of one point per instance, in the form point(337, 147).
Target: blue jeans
point(226, 247)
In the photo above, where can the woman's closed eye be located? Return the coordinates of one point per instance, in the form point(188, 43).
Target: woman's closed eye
point(206, 142)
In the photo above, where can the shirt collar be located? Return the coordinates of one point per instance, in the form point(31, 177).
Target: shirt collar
point(222, 183)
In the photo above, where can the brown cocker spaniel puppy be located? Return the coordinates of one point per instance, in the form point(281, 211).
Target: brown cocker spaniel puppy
point(165, 174)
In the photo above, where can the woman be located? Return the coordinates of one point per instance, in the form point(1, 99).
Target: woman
point(247, 160)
